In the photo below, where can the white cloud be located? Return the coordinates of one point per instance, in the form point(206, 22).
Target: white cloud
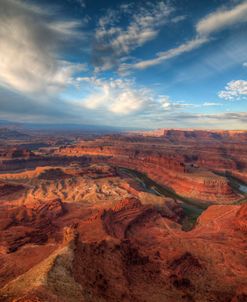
point(214, 22)
point(178, 19)
point(171, 53)
point(165, 102)
point(30, 46)
point(123, 97)
point(113, 42)
point(115, 95)
point(222, 18)
point(235, 90)
point(127, 102)
point(208, 104)
point(245, 64)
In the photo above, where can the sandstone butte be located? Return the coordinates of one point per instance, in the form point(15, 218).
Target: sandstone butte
point(76, 228)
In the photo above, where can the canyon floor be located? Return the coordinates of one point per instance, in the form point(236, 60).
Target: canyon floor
point(141, 216)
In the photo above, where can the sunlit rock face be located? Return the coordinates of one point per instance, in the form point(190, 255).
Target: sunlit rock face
point(74, 226)
point(241, 219)
point(80, 247)
point(188, 167)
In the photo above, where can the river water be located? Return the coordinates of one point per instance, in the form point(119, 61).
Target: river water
point(192, 208)
point(243, 188)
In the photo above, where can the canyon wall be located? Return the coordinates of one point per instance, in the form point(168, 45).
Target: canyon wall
point(166, 169)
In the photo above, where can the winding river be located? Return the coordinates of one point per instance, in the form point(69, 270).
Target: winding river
point(192, 208)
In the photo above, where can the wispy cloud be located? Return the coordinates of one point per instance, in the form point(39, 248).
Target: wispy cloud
point(204, 28)
point(209, 104)
point(171, 53)
point(222, 18)
point(234, 90)
point(31, 42)
point(113, 41)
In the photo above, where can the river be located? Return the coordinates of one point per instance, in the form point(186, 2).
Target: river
point(192, 208)
point(243, 188)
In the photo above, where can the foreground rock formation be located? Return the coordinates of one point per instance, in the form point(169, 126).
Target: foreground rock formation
point(88, 234)
point(76, 227)
point(126, 252)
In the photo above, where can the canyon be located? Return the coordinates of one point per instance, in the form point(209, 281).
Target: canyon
point(137, 216)
point(193, 169)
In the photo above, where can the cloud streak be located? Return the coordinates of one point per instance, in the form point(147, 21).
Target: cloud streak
point(31, 42)
point(205, 28)
point(222, 18)
point(169, 54)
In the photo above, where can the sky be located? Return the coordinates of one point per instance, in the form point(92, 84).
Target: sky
point(136, 64)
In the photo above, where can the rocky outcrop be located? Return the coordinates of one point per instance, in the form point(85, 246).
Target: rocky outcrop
point(80, 229)
point(220, 150)
point(8, 165)
point(168, 170)
point(241, 219)
point(89, 184)
point(29, 224)
point(49, 280)
point(9, 189)
point(117, 221)
point(132, 243)
point(179, 135)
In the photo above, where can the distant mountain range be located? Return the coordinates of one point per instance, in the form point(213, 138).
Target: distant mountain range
point(193, 134)
point(64, 127)
point(8, 133)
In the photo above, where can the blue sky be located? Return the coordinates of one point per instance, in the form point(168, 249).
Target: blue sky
point(146, 64)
